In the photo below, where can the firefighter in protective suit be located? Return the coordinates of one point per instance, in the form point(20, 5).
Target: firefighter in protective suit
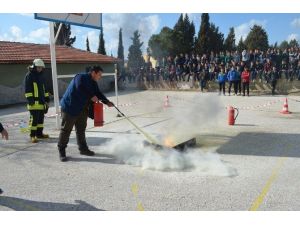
point(37, 98)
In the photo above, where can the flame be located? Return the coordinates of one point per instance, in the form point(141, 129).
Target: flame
point(169, 142)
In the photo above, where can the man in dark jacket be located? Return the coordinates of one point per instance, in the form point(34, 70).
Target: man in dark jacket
point(37, 98)
point(74, 109)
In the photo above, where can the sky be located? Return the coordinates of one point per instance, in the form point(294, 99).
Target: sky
point(22, 27)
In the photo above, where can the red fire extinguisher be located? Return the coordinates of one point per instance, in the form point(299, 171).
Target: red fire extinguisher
point(98, 114)
point(231, 117)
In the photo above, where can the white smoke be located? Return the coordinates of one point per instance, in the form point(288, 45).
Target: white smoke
point(191, 115)
point(132, 151)
point(188, 117)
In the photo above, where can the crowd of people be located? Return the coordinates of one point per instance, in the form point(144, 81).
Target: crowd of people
point(262, 66)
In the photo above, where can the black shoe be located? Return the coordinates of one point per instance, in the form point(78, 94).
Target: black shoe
point(87, 152)
point(1, 191)
point(42, 136)
point(62, 155)
point(63, 158)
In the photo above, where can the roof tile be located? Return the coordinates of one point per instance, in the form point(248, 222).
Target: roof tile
point(17, 52)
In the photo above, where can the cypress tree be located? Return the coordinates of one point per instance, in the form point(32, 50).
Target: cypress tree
point(101, 48)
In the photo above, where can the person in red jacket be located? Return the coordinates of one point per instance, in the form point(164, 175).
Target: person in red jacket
point(245, 80)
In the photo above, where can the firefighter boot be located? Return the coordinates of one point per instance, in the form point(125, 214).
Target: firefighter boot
point(34, 139)
point(43, 136)
point(62, 154)
point(40, 134)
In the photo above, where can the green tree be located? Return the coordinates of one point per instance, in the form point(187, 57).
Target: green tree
point(191, 36)
point(178, 35)
point(188, 35)
point(215, 39)
point(294, 43)
point(135, 58)
point(284, 45)
point(241, 45)
point(88, 44)
point(101, 48)
point(161, 45)
point(171, 42)
point(64, 36)
point(121, 48)
point(203, 35)
point(229, 43)
point(257, 38)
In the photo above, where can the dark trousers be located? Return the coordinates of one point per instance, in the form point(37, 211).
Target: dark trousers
point(245, 86)
point(222, 87)
point(239, 86)
point(67, 125)
point(273, 84)
point(36, 122)
point(234, 83)
point(202, 84)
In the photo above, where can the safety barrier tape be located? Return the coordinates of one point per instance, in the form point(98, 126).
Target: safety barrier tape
point(22, 123)
point(260, 106)
point(269, 103)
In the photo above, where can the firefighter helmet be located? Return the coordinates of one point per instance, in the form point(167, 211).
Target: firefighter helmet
point(39, 62)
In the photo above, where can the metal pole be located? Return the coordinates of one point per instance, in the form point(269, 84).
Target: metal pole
point(54, 73)
point(116, 89)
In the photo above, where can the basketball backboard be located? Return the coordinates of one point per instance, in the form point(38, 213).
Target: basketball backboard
point(91, 20)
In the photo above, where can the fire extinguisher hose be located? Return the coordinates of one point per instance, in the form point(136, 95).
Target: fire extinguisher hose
point(237, 113)
point(147, 136)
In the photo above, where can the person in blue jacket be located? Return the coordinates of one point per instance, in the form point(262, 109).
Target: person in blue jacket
point(74, 109)
point(221, 80)
point(232, 78)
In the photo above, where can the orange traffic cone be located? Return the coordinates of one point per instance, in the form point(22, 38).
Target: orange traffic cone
point(166, 102)
point(285, 109)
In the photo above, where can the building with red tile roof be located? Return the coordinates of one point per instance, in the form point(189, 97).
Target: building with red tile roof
point(15, 57)
point(20, 53)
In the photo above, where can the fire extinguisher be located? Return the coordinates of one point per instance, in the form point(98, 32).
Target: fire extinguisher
point(98, 114)
point(231, 117)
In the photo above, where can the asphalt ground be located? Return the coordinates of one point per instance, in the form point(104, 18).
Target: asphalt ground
point(253, 165)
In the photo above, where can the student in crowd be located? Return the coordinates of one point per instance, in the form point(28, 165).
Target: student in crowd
point(273, 77)
point(245, 80)
point(232, 78)
point(222, 80)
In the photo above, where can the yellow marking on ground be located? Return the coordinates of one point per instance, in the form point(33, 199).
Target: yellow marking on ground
point(135, 189)
point(140, 207)
point(267, 187)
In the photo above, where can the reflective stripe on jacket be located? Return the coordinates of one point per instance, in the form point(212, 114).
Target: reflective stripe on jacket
point(35, 91)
